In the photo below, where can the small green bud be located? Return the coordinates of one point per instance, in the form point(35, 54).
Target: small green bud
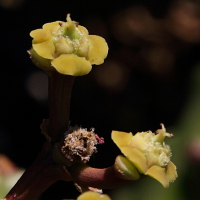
point(125, 169)
point(148, 153)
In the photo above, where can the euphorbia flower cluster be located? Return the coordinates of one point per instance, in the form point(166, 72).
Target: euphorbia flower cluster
point(67, 47)
point(148, 153)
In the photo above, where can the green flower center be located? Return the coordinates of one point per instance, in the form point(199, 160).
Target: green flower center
point(68, 39)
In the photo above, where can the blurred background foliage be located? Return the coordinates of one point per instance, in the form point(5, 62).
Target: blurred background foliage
point(151, 75)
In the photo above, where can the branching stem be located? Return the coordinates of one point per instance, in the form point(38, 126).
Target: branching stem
point(105, 178)
point(38, 177)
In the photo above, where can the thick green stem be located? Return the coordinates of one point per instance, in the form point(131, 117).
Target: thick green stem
point(60, 87)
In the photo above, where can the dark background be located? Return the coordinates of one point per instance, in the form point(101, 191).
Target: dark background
point(153, 48)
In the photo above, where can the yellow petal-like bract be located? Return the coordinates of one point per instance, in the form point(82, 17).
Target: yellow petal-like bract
point(70, 64)
point(136, 157)
point(40, 35)
point(49, 26)
point(68, 47)
point(45, 49)
point(98, 49)
point(159, 174)
point(122, 139)
point(171, 171)
point(148, 153)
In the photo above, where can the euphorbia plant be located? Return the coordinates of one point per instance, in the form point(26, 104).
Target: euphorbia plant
point(65, 50)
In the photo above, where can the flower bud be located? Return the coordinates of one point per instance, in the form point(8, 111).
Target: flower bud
point(125, 169)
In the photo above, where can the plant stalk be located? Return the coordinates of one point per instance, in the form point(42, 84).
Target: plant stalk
point(105, 178)
point(38, 177)
point(60, 87)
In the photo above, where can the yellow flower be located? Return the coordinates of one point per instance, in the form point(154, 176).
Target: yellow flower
point(67, 47)
point(89, 195)
point(149, 154)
